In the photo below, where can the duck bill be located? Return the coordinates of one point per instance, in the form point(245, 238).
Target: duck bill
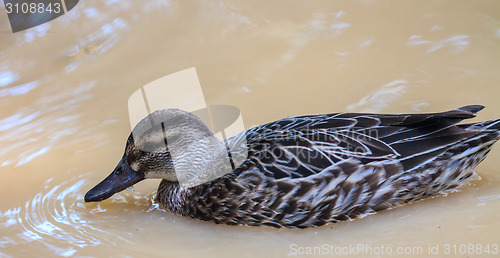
point(120, 179)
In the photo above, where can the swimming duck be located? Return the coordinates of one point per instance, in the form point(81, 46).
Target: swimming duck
point(304, 171)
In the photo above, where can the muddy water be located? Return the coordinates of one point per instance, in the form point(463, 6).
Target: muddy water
point(64, 88)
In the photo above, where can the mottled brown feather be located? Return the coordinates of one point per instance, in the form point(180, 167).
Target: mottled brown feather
point(400, 159)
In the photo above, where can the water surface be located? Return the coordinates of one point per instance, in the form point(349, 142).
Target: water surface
point(64, 88)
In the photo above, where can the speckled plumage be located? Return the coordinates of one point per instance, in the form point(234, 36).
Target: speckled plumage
point(302, 171)
point(311, 170)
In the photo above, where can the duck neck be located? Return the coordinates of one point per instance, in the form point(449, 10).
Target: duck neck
point(172, 197)
point(198, 161)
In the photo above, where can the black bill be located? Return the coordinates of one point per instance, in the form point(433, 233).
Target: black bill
point(120, 179)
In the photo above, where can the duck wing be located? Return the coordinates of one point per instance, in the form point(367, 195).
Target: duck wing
point(302, 146)
point(310, 170)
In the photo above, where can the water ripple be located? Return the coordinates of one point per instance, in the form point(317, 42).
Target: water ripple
point(52, 217)
point(457, 43)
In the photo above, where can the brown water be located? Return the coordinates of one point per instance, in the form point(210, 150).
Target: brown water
point(64, 88)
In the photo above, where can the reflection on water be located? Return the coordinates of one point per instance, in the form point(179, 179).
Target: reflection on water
point(97, 42)
point(64, 88)
point(59, 214)
point(18, 90)
point(7, 78)
point(22, 129)
point(457, 43)
point(51, 215)
point(379, 100)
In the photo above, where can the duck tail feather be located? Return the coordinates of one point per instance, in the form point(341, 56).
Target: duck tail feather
point(459, 114)
point(472, 108)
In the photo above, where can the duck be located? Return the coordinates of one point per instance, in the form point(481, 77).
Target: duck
point(304, 171)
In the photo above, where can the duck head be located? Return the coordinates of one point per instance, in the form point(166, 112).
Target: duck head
point(168, 144)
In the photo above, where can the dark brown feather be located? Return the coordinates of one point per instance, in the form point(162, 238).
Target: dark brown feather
point(311, 170)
